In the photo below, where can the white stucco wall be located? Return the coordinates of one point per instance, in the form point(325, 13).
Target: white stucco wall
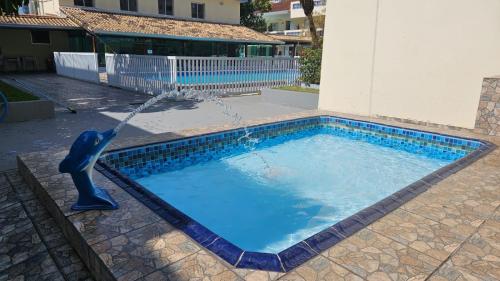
point(414, 59)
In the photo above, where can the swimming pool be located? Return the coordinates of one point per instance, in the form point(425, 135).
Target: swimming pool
point(306, 185)
point(225, 76)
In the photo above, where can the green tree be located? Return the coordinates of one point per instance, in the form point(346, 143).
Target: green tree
point(308, 7)
point(310, 65)
point(251, 14)
point(9, 7)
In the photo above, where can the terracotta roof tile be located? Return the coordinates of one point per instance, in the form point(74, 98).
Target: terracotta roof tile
point(284, 5)
point(101, 22)
point(37, 21)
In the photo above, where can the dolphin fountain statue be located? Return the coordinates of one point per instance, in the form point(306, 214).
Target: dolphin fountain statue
point(83, 155)
point(80, 162)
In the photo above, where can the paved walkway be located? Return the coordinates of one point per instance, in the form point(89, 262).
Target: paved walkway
point(101, 107)
point(32, 246)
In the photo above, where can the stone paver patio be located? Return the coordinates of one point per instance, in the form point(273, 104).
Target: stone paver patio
point(450, 232)
point(32, 246)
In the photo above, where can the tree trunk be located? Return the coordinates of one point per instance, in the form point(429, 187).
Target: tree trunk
point(308, 7)
point(312, 30)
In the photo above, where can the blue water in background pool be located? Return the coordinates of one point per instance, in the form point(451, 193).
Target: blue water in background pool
point(228, 77)
point(289, 187)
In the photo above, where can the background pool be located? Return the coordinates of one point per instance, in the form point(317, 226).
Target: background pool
point(223, 77)
point(290, 187)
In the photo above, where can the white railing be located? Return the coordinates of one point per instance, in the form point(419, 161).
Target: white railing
point(82, 66)
point(148, 74)
point(155, 74)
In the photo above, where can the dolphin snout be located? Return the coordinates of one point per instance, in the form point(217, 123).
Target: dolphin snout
point(108, 135)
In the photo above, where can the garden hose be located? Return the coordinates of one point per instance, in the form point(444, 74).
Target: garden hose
point(4, 106)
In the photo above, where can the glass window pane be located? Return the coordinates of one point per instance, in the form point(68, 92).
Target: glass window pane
point(201, 11)
point(161, 6)
point(124, 5)
point(194, 12)
point(165, 7)
point(40, 37)
point(132, 5)
point(169, 7)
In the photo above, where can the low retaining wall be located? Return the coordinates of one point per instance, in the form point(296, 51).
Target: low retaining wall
point(81, 66)
point(29, 110)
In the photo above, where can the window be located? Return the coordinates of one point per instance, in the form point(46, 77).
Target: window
point(40, 37)
point(128, 5)
point(288, 25)
point(165, 7)
point(197, 10)
point(84, 3)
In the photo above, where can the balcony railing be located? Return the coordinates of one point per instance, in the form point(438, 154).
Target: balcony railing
point(317, 3)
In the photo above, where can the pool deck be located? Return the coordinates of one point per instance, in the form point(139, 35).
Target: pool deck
point(449, 232)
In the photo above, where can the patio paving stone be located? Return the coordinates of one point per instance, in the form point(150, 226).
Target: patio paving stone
point(257, 275)
point(97, 226)
point(70, 263)
point(35, 210)
point(7, 198)
point(427, 236)
point(319, 269)
point(40, 267)
point(3, 181)
point(31, 243)
point(24, 192)
point(11, 218)
point(199, 266)
point(477, 259)
point(19, 241)
point(145, 250)
point(41, 164)
point(51, 233)
point(14, 178)
point(461, 207)
point(375, 257)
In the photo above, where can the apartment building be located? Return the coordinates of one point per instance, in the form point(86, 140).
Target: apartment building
point(287, 17)
point(146, 27)
point(221, 11)
point(287, 22)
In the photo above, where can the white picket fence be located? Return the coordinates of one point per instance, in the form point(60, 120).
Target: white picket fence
point(155, 74)
point(82, 66)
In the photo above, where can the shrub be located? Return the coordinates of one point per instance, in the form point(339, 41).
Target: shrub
point(310, 66)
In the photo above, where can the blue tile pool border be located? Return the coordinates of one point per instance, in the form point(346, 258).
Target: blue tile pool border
point(301, 252)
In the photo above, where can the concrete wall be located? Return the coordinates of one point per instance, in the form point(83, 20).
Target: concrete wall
point(19, 45)
point(423, 60)
point(45, 7)
point(29, 110)
point(226, 11)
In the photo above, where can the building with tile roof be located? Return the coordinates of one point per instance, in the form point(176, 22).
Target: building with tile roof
point(37, 22)
point(159, 27)
point(28, 41)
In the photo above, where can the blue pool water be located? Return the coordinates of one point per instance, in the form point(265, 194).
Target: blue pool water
point(229, 77)
point(291, 186)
